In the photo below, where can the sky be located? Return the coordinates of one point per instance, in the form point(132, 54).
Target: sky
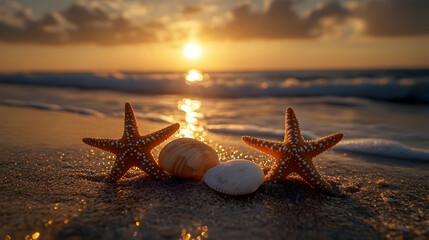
point(149, 35)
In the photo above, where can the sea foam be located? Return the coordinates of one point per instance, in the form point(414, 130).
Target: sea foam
point(379, 147)
point(383, 147)
point(388, 85)
point(50, 106)
point(245, 129)
point(154, 117)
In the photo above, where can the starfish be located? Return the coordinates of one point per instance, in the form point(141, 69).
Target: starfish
point(295, 154)
point(133, 149)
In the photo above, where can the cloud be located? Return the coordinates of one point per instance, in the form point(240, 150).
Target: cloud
point(392, 18)
point(111, 23)
point(13, 4)
point(189, 10)
point(279, 21)
point(77, 24)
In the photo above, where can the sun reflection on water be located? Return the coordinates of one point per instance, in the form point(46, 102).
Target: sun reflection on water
point(192, 127)
point(194, 76)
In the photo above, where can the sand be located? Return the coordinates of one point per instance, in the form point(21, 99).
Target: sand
point(52, 188)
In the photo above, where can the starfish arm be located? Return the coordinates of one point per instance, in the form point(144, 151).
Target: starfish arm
point(133, 150)
point(322, 144)
point(279, 171)
point(109, 145)
point(130, 123)
point(292, 130)
point(119, 169)
point(151, 167)
point(266, 146)
point(155, 138)
point(311, 175)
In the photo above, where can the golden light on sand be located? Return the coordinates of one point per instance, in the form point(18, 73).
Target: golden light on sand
point(192, 50)
point(194, 76)
point(35, 235)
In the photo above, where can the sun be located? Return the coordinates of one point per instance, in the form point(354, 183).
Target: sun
point(192, 50)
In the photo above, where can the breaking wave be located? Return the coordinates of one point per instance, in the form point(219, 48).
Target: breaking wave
point(379, 147)
point(50, 106)
point(383, 147)
point(389, 85)
point(252, 130)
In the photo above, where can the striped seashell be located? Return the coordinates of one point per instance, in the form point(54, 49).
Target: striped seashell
point(187, 158)
point(235, 177)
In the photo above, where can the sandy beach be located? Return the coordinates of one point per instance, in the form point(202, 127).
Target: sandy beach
point(336, 91)
point(52, 188)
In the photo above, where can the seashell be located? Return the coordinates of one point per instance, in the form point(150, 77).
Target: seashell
point(187, 158)
point(235, 177)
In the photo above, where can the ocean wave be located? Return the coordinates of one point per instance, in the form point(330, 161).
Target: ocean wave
point(149, 116)
point(372, 85)
point(51, 107)
point(244, 129)
point(383, 147)
point(154, 117)
point(379, 147)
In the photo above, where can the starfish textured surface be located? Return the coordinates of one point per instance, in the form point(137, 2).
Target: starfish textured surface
point(134, 150)
point(295, 154)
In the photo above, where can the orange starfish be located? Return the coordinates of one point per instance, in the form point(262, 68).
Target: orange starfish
point(133, 150)
point(295, 154)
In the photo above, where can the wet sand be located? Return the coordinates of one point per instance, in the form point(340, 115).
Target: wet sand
point(52, 188)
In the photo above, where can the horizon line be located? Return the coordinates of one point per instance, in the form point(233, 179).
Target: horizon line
point(215, 71)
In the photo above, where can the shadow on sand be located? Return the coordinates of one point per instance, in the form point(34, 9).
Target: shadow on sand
point(145, 208)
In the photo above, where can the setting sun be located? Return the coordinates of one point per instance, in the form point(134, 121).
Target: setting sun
point(192, 50)
point(112, 96)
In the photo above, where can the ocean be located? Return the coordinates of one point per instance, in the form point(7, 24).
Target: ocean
point(381, 112)
point(53, 185)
